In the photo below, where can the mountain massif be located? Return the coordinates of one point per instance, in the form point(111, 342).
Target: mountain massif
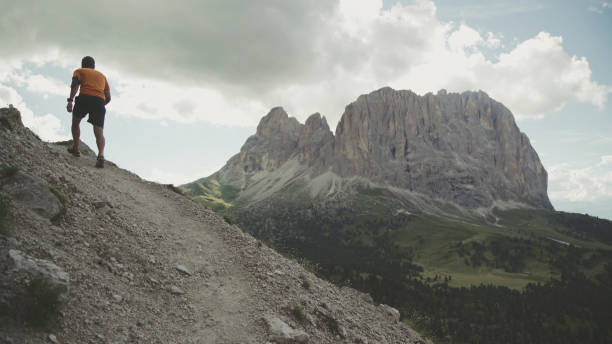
point(444, 150)
point(434, 204)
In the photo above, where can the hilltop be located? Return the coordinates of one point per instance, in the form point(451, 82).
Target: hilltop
point(129, 260)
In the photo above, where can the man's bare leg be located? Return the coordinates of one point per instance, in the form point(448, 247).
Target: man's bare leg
point(76, 132)
point(100, 141)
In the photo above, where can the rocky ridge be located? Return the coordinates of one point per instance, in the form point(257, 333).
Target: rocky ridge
point(463, 149)
point(146, 265)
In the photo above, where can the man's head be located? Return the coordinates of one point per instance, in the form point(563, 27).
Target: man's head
point(88, 62)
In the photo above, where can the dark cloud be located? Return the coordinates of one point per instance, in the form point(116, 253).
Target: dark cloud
point(254, 43)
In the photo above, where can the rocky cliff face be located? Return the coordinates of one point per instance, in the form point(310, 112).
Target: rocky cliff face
point(460, 148)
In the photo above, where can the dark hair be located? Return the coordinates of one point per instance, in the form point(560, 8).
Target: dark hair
point(88, 62)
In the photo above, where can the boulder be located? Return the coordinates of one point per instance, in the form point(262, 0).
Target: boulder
point(41, 268)
point(282, 333)
point(34, 193)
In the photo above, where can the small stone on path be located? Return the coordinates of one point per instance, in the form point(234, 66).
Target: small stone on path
point(53, 339)
point(183, 269)
point(176, 290)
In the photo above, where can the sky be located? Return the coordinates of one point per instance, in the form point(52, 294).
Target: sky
point(190, 80)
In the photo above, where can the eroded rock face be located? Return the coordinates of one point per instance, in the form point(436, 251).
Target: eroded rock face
point(276, 140)
point(316, 142)
point(463, 148)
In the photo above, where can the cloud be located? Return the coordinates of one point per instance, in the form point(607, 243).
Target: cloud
point(165, 177)
point(229, 61)
point(162, 100)
point(47, 127)
point(253, 43)
point(605, 161)
point(493, 41)
point(538, 77)
point(591, 183)
point(40, 83)
point(604, 5)
point(463, 38)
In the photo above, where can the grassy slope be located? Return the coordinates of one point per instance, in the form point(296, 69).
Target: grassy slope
point(435, 239)
point(211, 193)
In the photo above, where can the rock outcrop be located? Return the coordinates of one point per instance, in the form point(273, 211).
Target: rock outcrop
point(33, 192)
point(41, 268)
point(460, 148)
point(10, 117)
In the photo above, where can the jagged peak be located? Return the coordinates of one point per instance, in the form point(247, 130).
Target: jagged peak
point(277, 121)
point(316, 121)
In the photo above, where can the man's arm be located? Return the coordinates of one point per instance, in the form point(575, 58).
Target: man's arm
point(107, 96)
point(74, 87)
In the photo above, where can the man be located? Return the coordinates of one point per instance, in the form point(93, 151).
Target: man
point(94, 95)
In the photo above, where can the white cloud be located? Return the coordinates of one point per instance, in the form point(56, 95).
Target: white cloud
point(538, 77)
point(591, 183)
point(160, 100)
point(193, 63)
point(604, 5)
point(47, 127)
point(463, 38)
point(493, 41)
point(605, 160)
point(595, 9)
point(165, 177)
point(42, 84)
point(357, 13)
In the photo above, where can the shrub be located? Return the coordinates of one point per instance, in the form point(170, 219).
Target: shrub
point(10, 171)
point(60, 196)
point(305, 281)
point(332, 325)
point(227, 219)
point(42, 302)
point(298, 313)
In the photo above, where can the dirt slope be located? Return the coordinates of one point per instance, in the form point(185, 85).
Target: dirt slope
point(121, 240)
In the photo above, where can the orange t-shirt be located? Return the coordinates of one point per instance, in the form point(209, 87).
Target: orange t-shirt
point(93, 83)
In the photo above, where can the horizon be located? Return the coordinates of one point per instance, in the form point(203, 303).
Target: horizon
point(186, 94)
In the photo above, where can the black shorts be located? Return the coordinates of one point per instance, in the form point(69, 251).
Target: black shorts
point(92, 105)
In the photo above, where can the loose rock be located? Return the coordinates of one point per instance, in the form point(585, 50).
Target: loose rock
point(281, 333)
point(176, 290)
point(41, 268)
point(53, 339)
point(183, 269)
